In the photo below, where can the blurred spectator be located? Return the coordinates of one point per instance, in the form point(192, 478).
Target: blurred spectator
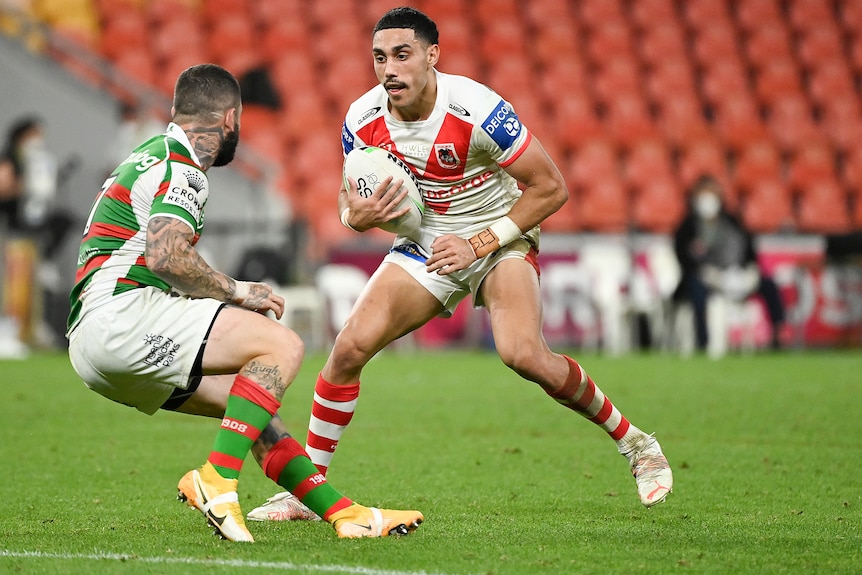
point(12, 176)
point(716, 256)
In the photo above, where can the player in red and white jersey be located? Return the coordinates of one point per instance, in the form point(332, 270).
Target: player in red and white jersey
point(488, 184)
point(137, 341)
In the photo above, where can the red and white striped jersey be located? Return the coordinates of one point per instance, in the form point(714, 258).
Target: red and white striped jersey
point(458, 153)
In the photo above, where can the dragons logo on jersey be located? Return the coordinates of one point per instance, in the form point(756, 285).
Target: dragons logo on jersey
point(447, 156)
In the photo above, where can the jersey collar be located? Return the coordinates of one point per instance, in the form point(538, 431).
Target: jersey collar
point(177, 133)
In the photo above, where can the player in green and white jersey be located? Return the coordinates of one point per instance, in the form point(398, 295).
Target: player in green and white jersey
point(153, 326)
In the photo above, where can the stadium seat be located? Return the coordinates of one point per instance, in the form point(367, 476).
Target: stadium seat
point(714, 43)
point(595, 160)
point(566, 76)
point(281, 37)
point(830, 79)
point(701, 14)
point(809, 14)
point(819, 45)
point(767, 207)
point(662, 42)
point(620, 75)
point(162, 11)
point(610, 40)
point(575, 120)
point(752, 14)
point(555, 38)
point(790, 122)
point(823, 208)
point(671, 77)
point(547, 13)
point(123, 33)
point(502, 36)
point(604, 206)
point(628, 120)
point(565, 220)
point(681, 119)
point(723, 79)
point(658, 206)
point(649, 14)
point(759, 161)
point(851, 16)
point(702, 157)
point(776, 79)
point(596, 13)
point(851, 172)
point(768, 42)
point(138, 65)
point(738, 122)
point(841, 120)
point(647, 161)
point(813, 162)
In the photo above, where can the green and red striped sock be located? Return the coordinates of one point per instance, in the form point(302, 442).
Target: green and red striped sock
point(288, 464)
point(249, 409)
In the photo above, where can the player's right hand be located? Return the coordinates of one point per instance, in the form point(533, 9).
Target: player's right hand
point(377, 208)
point(259, 297)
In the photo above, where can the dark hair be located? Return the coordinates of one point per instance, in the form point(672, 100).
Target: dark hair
point(704, 181)
point(423, 27)
point(203, 89)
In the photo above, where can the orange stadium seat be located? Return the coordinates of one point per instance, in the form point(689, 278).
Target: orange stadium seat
point(230, 35)
point(665, 40)
point(841, 120)
point(596, 13)
point(595, 160)
point(564, 220)
point(161, 11)
point(647, 161)
point(752, 14)
point(548, 13)
point(575, 120)
point(723, 79)
point(809, 14)
point(673, 76)
point(823, 208)
point(214, 10)
point(681, 119)
point(563, 77)
point(738, 122)
point(604, 206)
point(272, 12)
point(555, 38)
point(813, 162)
point(759, 161)
point(855, 59)
point(620, 75)
point(701, 14)
point(126, 32)
point(658, 206)
point(281, 37)
point(768, 207)
point(830, 79)
point(851, 16)
point(768, 42)
point(851, 172)
point(778, 78)
point(790, 122)
point(139, 65)
point(819, 45)
point(715, 43)
point(648, 14)
point(628, 120)
point(610, 40)
point(701, 157)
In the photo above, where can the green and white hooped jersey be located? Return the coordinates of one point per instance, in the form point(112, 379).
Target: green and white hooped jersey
point(162, 177)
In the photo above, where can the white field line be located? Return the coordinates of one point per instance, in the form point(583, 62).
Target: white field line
point(273, 565)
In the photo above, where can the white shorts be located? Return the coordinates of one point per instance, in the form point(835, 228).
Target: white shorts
point(450, 289)
point(140, 347)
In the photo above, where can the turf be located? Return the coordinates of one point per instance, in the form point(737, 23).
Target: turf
point(765, 450)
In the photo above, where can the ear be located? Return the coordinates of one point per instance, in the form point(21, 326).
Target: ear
point(433, 54)
point(231, 118)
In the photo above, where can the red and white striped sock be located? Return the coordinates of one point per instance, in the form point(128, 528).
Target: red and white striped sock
point(331, 412)
point(582, 395)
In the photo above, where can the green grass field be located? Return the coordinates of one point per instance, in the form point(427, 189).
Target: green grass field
point(766, 452)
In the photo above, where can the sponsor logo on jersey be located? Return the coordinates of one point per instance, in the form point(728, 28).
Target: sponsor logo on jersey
point(347, 139)
point(143, 159)
point(162, 350)
point(503, 125)
point(411, 250)
point(447, 157)
point(368, 114)
point(196, 181)
point(458, 109)
point(185, 198)
point(474, 182)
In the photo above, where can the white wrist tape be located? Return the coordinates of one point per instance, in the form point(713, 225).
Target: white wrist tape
point(506, 230)
point(345, 214)
point(241, 291)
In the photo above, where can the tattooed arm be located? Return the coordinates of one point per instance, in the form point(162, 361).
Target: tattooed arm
point(171, 256)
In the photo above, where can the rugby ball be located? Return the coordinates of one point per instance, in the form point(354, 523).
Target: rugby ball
point(371, 165)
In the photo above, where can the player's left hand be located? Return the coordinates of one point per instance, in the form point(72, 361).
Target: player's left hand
point(449, 253)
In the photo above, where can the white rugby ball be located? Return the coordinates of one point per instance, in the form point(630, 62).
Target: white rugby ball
point(371, 165)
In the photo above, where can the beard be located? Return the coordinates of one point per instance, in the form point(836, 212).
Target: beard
point(228, 148)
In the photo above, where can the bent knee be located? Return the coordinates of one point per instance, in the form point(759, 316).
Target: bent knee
point(525, 360)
